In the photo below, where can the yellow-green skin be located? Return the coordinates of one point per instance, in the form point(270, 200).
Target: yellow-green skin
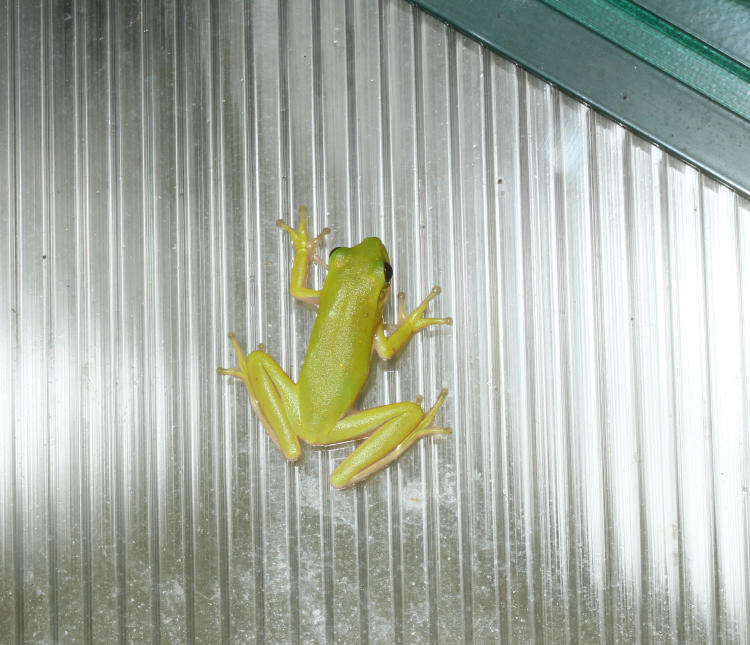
point(354, 291)
point(348, 328)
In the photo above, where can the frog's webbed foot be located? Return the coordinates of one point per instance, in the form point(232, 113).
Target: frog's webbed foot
point(300, 238)
point(416, 319)
point(304, 255)
point(407, 325)
point(238, 371)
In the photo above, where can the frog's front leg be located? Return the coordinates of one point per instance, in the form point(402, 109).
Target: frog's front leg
point(273, 396)
point(390, 430)
point(407, 325)
point(304, 256)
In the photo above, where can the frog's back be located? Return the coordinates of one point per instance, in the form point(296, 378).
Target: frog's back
point(338, 358)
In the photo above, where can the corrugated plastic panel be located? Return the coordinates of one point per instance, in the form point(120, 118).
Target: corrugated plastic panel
point(595, 486)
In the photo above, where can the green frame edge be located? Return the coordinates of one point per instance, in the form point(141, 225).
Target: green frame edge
point(645, 73)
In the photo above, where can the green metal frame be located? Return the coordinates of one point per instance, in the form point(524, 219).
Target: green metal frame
point(661, 80)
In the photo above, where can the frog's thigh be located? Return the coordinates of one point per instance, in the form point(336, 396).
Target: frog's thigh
point(392, 425)
point(274, 398)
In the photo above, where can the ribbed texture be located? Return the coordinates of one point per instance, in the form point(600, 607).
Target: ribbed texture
point(595, 486)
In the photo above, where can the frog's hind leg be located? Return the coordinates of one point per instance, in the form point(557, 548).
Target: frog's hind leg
point(394, 429)
point(273, 396)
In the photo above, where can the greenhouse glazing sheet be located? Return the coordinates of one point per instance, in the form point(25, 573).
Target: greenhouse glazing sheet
point(594, 488)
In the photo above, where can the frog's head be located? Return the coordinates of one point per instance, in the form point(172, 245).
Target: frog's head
point(367, 264)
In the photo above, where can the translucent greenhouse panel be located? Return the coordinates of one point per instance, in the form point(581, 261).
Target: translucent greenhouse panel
point(594, 487)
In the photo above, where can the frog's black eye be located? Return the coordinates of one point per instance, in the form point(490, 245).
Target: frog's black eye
point(333, 250)
point(388, 271)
